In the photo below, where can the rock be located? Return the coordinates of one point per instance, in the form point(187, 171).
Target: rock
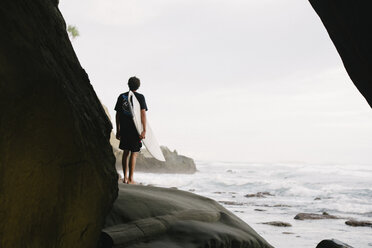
point(231, 203)
point(307, 216)
point(348, 24)
point(322, 198)
point(332, 243)
point(237, 211)
point(281, 206)
point(57, 170)
point(259, 195)
point(175, 163)
point(146, 163)
point(259, 210)
point(150, 217)
point(288, 233)
point(358, 223)
point(277, 223)
point(273, 206)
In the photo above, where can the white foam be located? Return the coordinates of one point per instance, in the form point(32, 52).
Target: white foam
point(343, 190)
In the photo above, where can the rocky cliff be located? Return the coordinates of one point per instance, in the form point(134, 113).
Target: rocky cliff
point(174, 163)
point(57, 174)
point(349, 25)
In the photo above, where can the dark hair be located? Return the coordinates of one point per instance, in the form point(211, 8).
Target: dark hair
point(134, 83)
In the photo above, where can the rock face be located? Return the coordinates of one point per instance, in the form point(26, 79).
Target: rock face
point(145, 216)
point(57, 174)
point(348, 24)
point(174, 163)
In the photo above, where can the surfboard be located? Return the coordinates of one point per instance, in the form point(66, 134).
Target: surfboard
point(150, 141)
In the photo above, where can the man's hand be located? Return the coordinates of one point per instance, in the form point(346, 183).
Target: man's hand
point(118, 135)
point(143, 135)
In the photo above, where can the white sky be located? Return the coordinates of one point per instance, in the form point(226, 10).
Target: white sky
point(230, 80)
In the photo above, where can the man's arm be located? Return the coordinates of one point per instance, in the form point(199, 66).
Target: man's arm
point(117, 125)
point(143, 121)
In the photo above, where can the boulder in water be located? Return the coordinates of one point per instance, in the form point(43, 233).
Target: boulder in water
point(307, 216)
point(332, 243)
point(358, 223)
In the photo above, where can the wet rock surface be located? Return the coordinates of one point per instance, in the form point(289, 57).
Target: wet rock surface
point(277, 223)
point(154, 217)
point(307, 216)
point(358, 223)
point(332, 243)
point(57, 170)
point(260, 210)
point(231, 203)
point(259, 195)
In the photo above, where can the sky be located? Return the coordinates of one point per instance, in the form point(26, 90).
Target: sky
point(227, 80)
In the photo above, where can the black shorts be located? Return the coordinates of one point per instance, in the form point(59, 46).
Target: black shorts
point(129, 137)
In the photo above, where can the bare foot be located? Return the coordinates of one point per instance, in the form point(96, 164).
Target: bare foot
point(131, 182)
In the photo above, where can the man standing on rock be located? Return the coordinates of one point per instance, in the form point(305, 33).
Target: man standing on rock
point(126, 132)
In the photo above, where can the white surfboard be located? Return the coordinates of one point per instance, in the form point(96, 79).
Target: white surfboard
point(150, 141)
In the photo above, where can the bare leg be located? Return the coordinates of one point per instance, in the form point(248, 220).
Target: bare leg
point(124, 163)
point(132, 165)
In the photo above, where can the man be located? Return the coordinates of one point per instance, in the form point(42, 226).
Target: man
point(126, 132)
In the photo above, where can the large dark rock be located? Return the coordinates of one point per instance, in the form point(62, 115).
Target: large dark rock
point(332, 243)
point(145, 216)
point(349, 25)
point(57, 175)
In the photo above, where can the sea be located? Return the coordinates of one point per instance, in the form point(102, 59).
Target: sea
point(288, 189)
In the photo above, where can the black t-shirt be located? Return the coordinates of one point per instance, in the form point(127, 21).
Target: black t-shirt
point(122, 104)
point(129, 137)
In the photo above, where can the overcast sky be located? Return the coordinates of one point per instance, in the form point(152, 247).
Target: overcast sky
point(229, 80)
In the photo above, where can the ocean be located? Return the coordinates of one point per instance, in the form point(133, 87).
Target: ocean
point(341, 190)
